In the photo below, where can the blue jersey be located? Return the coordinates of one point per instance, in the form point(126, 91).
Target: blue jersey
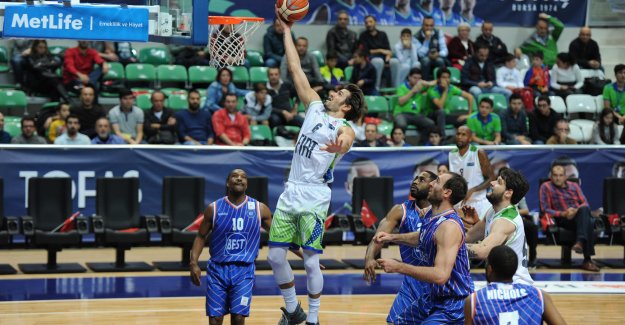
point(412, 19)
point(355, 12)
point(384, 15)
point(507, 303)
point(460, 284)
point(236, 231)
point(411, 222)
point(436, 14)
point(476, 21)
point(453, 20)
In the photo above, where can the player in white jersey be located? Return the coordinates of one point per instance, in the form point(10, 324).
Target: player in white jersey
point(301, 211)
point(503, 225)
point(473, 164)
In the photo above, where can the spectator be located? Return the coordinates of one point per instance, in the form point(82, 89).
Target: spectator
point(434, 138)
point(332, 75)
point(127, 119)
point(41, 73)
point(55, 125)
point(508, 76)
point(376, 47)
point(106, 50)
point(104, 136)
point(188, 55)
point(478, 75)
point(565, 76)
point(406, 53)
point(432, 48)
point(160, 122)
point(218, 88)
point(78, 67)
point(496, 48)
point(364, 74)
point(466, 11)
point(72, 136)
point(425, 8)
point(283, 112)
point(194, 125)
point(450, 17)
point(523, 60)
point(541, 41)
point(410, 107)
point(398, 138)
point(461, 48)
point(125, 53)
point(28, 135)
point(5, 137)
point(231, 127)
point(87, 111)
point(309, 65)
point(371, 137)
point(257, 107)
point(537, 77)
point(329, 11)
point(605, 130)
point(21, 48)
point(561, 133)
point(383, 13)
point(514, 123)
point(585, 50)
point(441, 95)
point(273, 44)
point(614, 94)
point(485, 125)
point(565, 202)
point(341, 41)
point(543, 121)
point(405, 15)
point(442, 169)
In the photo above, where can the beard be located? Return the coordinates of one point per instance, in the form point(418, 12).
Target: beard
point(194, 107)
point(494, 198)
point(419, 194)
point(434, 199)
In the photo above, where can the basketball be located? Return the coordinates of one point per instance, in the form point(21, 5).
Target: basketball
point(292, 10)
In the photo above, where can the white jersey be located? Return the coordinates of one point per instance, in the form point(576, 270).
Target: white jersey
point(468, 166)
point(517, 242)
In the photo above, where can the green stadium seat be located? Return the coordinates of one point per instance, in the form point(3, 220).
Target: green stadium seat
point(255, 58)
point(201, 76)
point(258, 74)
point(348, 73)
point(4, 59)
point(499, 101)
point(377, 104)
point(115, 73)
point(319, 56)
point(174, 91)
point(57, 50)
point(13, 101)
point(457, 104)
point(12, 125)
point(140, 75)
point(261, 132)
point(155, 55)
point(171, 75)
point(49, 106)
point(455, 75)
point(177, 102)
point(385, 127)
point(143, 101)
point(240, 76)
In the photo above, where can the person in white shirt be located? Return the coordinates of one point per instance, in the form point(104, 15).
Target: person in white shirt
point(508, 76)
point(71, 136)
point(257, 107)
point(565, 76)
point(406, 53)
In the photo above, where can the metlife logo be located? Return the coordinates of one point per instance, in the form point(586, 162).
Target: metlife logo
point(76, 22)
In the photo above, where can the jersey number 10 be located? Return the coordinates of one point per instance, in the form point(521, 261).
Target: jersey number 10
point(237, 224)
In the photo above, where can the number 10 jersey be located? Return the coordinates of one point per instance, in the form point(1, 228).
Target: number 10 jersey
point(236, 231)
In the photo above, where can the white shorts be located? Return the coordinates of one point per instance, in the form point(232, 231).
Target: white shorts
point(305, 198)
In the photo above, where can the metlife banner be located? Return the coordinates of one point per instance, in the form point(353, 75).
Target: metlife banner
point(76, 22)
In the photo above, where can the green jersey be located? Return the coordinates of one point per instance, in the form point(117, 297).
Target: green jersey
point(414, 105)
point(484, 129)
point(615, 96)
point(437, 92)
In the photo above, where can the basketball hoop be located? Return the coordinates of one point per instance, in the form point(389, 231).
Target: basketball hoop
point(227, 39)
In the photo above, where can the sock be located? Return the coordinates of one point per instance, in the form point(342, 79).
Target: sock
point(313, 310)
point(290, 299)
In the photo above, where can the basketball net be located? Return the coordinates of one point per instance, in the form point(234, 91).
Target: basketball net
point(227, 39)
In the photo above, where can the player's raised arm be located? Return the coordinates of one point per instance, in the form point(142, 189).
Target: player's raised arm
point(343, 142)
point(198, 245)
point(388, 224)
point(305, 93)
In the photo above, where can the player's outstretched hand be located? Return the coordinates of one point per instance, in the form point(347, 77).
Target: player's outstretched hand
point(470, 216)
point(383, 237)
point(333, 146)
point(389, 265)
point(370, 265)
point(285, 24)
point(196, 274)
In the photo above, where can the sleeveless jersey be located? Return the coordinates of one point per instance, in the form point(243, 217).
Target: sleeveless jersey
point(460, 284)
point(468, 166)
point(411, 222)
point(236, 231)
point(385, 15)
point(413, 18)
point(310, 164)
point(507, 303)
point(517, 242)
point(453, 20)
point(356, 13)
point(436, 13)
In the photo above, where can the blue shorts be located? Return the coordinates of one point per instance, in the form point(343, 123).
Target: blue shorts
point(446, 311)
point(229, 288)
point(408, 294)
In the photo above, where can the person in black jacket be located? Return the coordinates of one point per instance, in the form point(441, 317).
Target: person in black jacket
point(543, 121)
point(159, 126)
point(41, 77)
point(478, 75)
point(364, 74)
point(585, 50)
point(497, 49)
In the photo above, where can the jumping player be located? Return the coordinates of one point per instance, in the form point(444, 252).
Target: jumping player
point(408, 217)
point(502, 225)
point(440, 245)
point(505, 302)
point(301, 210)
point(234, 222)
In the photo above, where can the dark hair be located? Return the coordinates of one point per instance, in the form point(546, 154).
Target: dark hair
point(360, 53)
point(618, 68)
point(27, 118)
point(487, 101)
point(89, 85)
point(230, 175)
point(544, 98)
point(195, 91)
point(538, 55)
point(434, 130)
point(431, 175)
point(508, 57)
point(331, 56)
point(516, 182)
point(567, 58)
point(33, 46)
point(60, 105)
point(563, 161)
point(222, 70)
point(504, 262)
point(398, 127)
point(229, 95)
point(302, 38)
point(125, 92)
point(158, 92)
point(405, 31)
point(440, 72)
point(482, 45)
point(414, 71)
point(356, 101)
point(259, 86)
point(609, 139)
point(428, 17)
point(371, 16)
point(72, 116)
point(561, 120)
point(458, 186)
point(515, 96)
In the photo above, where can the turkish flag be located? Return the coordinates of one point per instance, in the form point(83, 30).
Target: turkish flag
point(68, 224)
point(195, 225)
point(368, 218)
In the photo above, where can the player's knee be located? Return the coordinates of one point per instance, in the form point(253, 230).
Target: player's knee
point(215, 320)
point(237, 319)
point(276, 256)
point(311, 265)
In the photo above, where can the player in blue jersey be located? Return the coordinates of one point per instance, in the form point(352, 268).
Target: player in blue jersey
point(450, 17)
point(328, 12)
point(442, 250)
point(405, 15)
point(504, 302)
point(426, 8)
point(466, 12)
point(383, 13)
point(234, 223)
point(407, 217)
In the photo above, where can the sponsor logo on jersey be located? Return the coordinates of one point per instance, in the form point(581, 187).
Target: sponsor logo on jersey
point(235, 244)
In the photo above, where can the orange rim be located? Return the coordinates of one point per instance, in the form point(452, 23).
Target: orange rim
point(228, 20)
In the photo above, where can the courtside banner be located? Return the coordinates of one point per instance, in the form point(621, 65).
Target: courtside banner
point(77, 22)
